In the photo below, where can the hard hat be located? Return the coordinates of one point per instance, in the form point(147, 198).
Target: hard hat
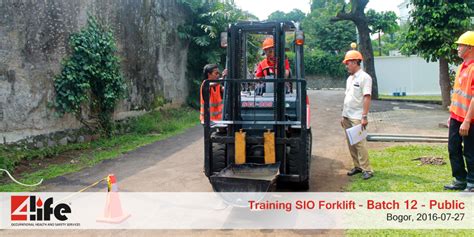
point(352, 54)
point(467, 38)
point(268, 43)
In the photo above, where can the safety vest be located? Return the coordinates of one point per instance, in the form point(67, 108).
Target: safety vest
point(266, 68)
point(462, 91)
point(215, 103)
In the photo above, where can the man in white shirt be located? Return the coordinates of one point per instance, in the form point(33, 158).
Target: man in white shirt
point(356, 108)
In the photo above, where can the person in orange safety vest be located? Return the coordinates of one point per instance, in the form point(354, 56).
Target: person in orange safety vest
point(211, 72)
point(265, 69)
point(461, 121)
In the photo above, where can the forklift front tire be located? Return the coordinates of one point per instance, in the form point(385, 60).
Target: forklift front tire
point(218, 157)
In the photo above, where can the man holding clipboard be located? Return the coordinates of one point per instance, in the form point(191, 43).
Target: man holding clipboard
point(355, 110)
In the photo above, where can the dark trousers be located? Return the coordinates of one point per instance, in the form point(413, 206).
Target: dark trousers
point(461, 148)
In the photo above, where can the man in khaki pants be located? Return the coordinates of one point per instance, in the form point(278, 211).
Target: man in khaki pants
point(356, 108)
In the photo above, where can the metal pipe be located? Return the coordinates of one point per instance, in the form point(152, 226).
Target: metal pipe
point(406, 138)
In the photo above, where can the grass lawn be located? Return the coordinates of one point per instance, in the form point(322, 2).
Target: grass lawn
point(395, 171)
point(412, 97)
point(48, 163)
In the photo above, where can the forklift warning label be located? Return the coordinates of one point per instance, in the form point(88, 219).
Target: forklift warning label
point(209, 210)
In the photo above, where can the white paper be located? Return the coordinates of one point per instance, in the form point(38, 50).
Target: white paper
point(356, 134)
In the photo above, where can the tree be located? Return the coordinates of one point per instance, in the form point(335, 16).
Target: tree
point(385, 22)
point(318, 4)
point(295, 15)
point(393, 41)
point(435, 26)
point(326, 42)
point(207, 19)
point(359, 18)
point(90, 77)
point(322, 4)
point(277, 15)
point(330, 37)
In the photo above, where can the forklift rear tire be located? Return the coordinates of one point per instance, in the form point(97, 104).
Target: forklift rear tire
point(295, 155)
point(218, 157)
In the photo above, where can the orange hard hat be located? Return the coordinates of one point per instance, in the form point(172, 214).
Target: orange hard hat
point(268, 43)
point(352, 55)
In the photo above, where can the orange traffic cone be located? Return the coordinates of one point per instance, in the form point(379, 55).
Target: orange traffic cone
point(113, 208)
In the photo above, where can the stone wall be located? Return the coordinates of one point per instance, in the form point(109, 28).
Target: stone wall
point(33, 41)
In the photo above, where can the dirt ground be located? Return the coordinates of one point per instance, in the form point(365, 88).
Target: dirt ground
point(176, 164)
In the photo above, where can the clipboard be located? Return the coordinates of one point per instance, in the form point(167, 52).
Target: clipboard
point(356, 134)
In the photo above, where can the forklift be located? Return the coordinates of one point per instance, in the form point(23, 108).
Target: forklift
point(264, 138)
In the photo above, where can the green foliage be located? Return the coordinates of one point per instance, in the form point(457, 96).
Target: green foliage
point(435, 26)
point(385, 22)
point(393, 41)
point(325, 35)
point(318, 62)
point(163, 121)
point(159, 101)
point(326, 42)
point(207, 19)
point(277, 16)
point(382, 22)
point(322, 4)
point(91, 75)
point(295, 15)
point(389, 42)
point(11, 156)
point(254, 47)
point(318, 4)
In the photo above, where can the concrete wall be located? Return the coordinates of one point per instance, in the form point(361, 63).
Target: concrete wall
point(411, 74)
point(33, 42)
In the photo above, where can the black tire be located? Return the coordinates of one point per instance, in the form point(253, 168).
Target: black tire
point(218, 157)
point(294, 155)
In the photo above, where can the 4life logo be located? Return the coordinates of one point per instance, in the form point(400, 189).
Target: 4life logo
point(30, 208)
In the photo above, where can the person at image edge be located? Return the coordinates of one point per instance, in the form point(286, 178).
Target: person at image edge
point(461, 131)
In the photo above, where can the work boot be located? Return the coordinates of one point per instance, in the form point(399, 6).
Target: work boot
point(456, 185)
point(469, 187)
point(354, 171)
point(367, 175)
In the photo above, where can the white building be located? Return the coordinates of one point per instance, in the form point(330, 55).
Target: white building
point(412, 75)
point(404, 9)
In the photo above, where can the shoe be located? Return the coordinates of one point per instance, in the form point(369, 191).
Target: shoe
point(367, 175)
point(456, 185)
point(354, 171)
point(469, 188)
